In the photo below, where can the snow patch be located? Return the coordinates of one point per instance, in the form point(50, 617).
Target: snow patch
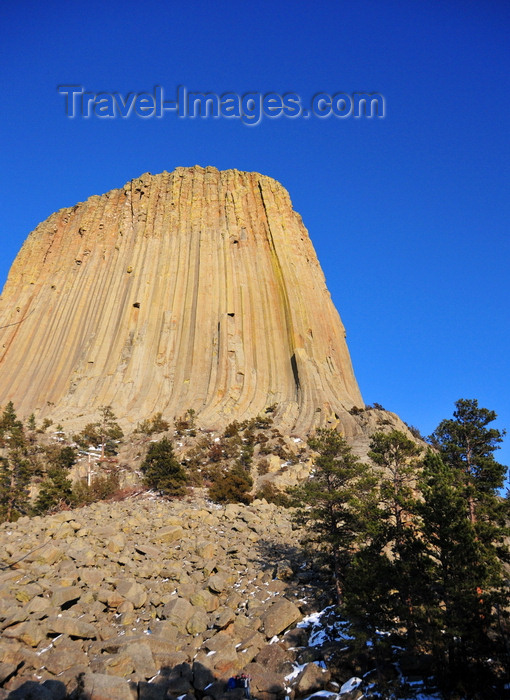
point(351, 684)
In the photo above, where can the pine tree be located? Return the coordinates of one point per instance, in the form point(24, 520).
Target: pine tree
point(162, 471)
point(11, 429)
point(56, 490)
point(466, 445)
point(465, 577)
point(103, 433)
point(15, 467)
point(337, 505)
point(57, 487)
point(394, 563)
point(398, 458)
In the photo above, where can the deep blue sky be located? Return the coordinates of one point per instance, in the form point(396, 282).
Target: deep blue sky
point(409, 214)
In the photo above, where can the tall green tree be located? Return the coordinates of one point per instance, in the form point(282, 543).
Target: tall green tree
point(400, 550)
point(337, 505)
point(398, 460)
point(15, 467)
point(467, 443)
point(162, 470)
point(11, 429)
point(56, 491)
point(465, 576)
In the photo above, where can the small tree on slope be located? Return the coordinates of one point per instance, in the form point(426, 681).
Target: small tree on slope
point(162, 471)
point(337, 505)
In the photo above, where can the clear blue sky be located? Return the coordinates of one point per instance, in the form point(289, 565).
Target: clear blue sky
point(409, 214)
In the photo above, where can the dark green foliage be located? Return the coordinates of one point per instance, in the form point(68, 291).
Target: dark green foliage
point(420, 558)
point(15, 467)
point(11, 429)
point(246, 455)
point(15, 474)
point(465, 578)
point(31, 424)
point(88, 436)
point(162, 471)
point(465, 521)
point(356, 411)
point(397, 456)
point(385, 570)
point(57, 489)
point(45, 425)
point(232, 486)
point(465, 442)
point(232, 429)
point(337, 505)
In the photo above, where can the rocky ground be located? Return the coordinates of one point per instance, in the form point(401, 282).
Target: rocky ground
point(147, 598)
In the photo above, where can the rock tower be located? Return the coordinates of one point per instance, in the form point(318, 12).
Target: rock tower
point(192, 289)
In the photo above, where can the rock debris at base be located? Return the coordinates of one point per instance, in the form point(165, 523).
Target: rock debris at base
point(148, 598)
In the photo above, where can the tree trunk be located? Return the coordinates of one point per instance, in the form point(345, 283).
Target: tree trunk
point(337, 574)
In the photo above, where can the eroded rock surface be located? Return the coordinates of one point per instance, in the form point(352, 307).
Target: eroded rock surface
point(192, 289)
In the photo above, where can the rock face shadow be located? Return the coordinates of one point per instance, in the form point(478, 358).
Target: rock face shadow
point(32, 690)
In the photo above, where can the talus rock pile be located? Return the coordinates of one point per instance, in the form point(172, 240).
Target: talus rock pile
point(151, 599)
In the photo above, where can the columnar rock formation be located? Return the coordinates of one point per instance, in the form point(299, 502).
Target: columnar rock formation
point(192, 289)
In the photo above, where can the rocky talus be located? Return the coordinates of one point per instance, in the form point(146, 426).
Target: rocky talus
point(154, 599)
point(192, 289)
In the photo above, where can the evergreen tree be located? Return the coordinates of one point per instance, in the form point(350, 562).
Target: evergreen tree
point(466, 443)
point(155, 424)
point(15, 467)
point(398, 459)
point(162, 471)
point(31, 424)
point(11, 429)
point(465, 581)
point(56, 490)
point(103, 433)
point(57, 487)
point(338, 505)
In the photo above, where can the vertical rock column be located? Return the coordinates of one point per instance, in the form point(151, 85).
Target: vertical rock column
point(192, 289)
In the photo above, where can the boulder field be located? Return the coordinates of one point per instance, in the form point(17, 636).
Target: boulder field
point(148, 598)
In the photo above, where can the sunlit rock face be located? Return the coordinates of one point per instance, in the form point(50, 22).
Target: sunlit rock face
point(192, 289)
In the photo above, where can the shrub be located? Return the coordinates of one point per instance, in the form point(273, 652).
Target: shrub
point(273, 495)
point(101, 488)
point(186, 423)
point(232, 429)
point(232, 486)
point(263, 466)
point(356, 411)
point(155, 424)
